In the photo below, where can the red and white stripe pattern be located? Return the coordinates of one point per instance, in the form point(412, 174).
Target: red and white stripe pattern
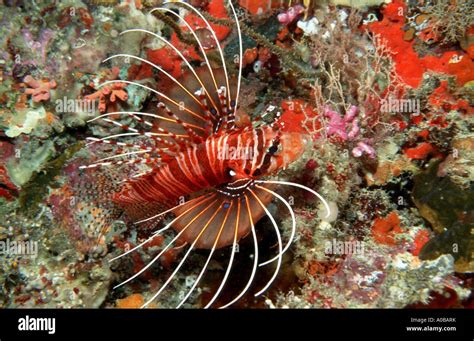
point(199, 167)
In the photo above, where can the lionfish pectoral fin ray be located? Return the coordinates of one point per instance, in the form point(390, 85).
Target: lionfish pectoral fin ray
point(287, 183)
point(178, 267)
point(293, 230)
point(170, 243)
point(142, 243)
point(231, 260)
point(293, 227)
point(255, 261)
point(277, 232)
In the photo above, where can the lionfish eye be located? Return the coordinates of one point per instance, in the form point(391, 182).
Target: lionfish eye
point(273, 149)
point(231, 172)
point(232, 103)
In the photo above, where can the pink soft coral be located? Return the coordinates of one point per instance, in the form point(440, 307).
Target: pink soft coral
point(363, 148)
point(108, 94)
point(338, 125)
point(39, 89)
point(348, 129)
point(290, 15)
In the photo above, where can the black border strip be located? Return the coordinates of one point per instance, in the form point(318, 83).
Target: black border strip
point(311, 324)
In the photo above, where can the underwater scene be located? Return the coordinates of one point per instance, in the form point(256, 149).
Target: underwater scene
point(237, 154)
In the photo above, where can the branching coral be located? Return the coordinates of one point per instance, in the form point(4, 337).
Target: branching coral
point(108, 94)
point(449, 19)
point(355, 70)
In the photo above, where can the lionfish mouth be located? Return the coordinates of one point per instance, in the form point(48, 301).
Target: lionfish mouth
point(199, 111)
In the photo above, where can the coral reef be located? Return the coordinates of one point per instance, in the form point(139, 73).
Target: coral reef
point(382, 90)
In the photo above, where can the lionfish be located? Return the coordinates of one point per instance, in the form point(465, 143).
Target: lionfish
point(181, 142)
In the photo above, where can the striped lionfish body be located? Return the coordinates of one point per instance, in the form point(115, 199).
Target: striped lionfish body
point(196, 147)
point(210, 165)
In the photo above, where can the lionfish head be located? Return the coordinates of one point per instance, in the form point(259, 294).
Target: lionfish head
point(276, 153)
point(292, 146)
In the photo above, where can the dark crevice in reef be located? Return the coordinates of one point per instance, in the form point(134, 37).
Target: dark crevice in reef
point(450, 211)
point(399, 190)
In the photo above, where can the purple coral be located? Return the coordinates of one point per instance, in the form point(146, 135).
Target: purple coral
point(38, 46)
point(363, 148)
point(338, 125)
point(290, 15)
point(348, 129)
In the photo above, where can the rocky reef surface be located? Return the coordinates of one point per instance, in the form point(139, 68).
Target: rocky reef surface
point(384, 91)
